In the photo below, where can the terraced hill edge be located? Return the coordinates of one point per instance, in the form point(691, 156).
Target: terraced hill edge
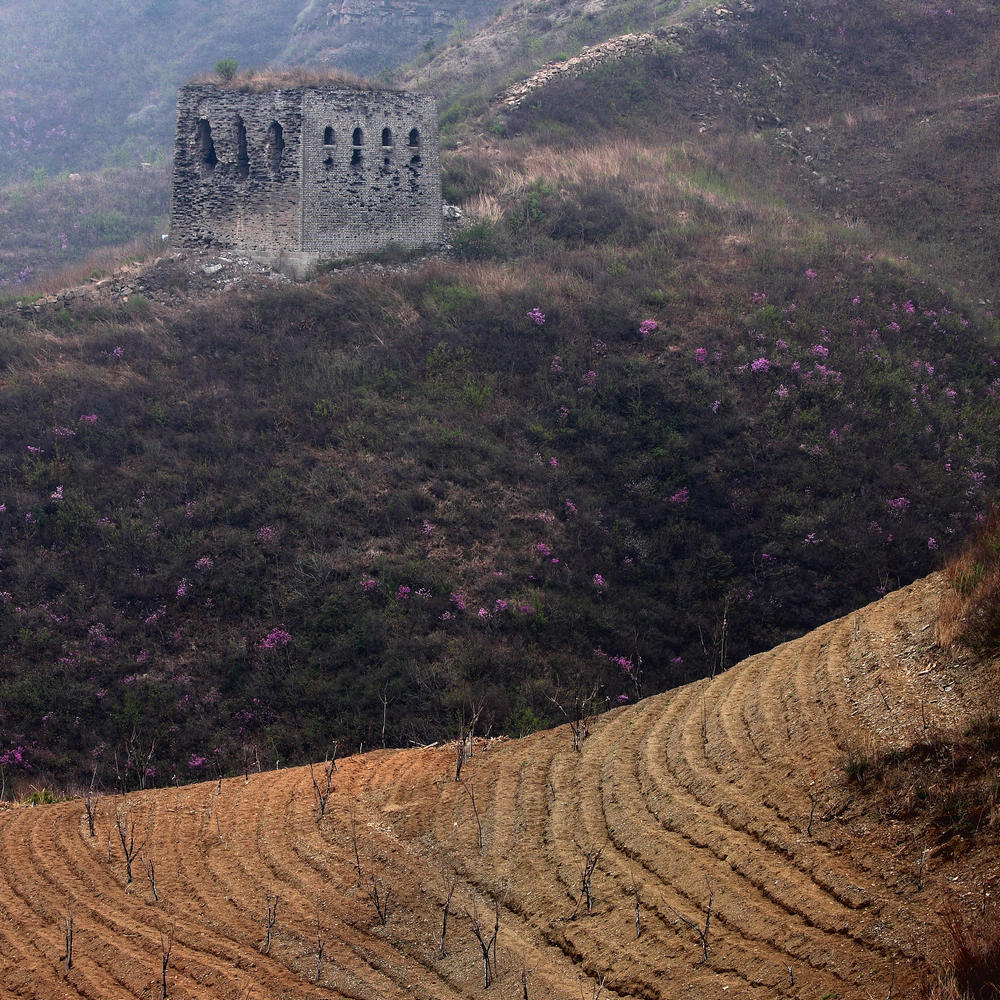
point(727, 795)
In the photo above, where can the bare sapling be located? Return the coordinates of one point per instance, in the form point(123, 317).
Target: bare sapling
point(150, 869)
point(91, 803)
point(459, 755)
point(580, 718)
point(69, 938)
point(166, 947)
point(91, 808)
point(702, 932)
point(638, 905)
point(126, 834)
point(322, 789)
point(379, 895)
point(471, 792)
point(269, 921)
point(598, 988)
point(476, 710)
point(449, 892)
point(486, 943)
point(320, 946)
point(591, 858)
point(357, 853)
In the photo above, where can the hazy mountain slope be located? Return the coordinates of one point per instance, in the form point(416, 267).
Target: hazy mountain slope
point(725, 850)
point(87, 84)
point(373, 36)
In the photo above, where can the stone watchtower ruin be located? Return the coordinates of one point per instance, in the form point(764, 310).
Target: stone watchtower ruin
point(294, 174)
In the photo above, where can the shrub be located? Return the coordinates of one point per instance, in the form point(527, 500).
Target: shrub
point(226, 68)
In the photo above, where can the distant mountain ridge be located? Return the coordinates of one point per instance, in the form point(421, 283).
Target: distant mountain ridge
point(370, 36)
point(60, 114)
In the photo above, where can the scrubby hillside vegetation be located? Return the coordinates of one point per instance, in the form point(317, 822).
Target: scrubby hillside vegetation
point(717, 840)
point(660, 409)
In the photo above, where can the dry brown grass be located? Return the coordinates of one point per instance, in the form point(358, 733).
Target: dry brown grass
point(972, 943)
point(95, 266)
point(257, 81)
point(970, 609)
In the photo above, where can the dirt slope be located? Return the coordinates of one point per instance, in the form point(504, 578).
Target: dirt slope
point(704, 793)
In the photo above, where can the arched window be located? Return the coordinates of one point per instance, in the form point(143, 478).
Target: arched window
point(357, 141)
point(275, 146)
point(328, 136)
point(206, 148)
point(387, 138)
point(414, 144)
point(242, 157)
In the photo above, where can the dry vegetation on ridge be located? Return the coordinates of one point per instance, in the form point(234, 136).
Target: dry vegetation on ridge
point(729, 793)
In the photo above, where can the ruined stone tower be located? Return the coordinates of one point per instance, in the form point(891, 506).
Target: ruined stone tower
point(292, 175)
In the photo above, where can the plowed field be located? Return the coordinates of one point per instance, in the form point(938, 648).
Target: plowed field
point(729, 793)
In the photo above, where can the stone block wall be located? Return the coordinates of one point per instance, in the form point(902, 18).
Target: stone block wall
point(305, 173)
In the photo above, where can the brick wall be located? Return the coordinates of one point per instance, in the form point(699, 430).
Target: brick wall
point(310, 171)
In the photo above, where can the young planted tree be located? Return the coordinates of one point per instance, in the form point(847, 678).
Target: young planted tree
point(449, 892)
point(322, 789)
point(126, 834)
point(166, 947)
point(150, 870)
point(269, 921)
point(702, 932)
point(69, 938)
point(486, 944)
point(379, 895)
point(590, 859)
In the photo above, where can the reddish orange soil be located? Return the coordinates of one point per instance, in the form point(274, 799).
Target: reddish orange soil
point(703, 793)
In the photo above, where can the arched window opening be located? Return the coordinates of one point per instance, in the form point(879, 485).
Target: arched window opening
point(414, 144)
point(387, 138)
point(275, 146)
point(328, 136)
point(242, 156)
point(206, 148)
point(357, 141)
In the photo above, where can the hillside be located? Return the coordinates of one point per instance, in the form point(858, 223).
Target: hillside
point(731, 797)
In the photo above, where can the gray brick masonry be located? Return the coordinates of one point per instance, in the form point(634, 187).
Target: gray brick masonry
point(300, 174)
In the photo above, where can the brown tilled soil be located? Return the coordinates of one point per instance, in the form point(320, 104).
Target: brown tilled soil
point(729, 793)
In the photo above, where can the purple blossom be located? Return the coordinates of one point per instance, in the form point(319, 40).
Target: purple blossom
point(648, 326)
point(543, 550)
point(681, 496)
point(368, 583)
point(761, 366)
point(819, 351)
point(598, 580)
point(811, 274)
point(194, 762)
point(182, 588)
point(403, 593)
point(205, 562)
point(267, 534)
point(536, 316)
point(899, 505)
point(932, 543)
point(700, 355)
point(427, 527)
point(555, 366)
point(458, 600)
point(88, 418)
point(57, 494)
point(278, 636)
point(570, 507)
point(63, 432)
